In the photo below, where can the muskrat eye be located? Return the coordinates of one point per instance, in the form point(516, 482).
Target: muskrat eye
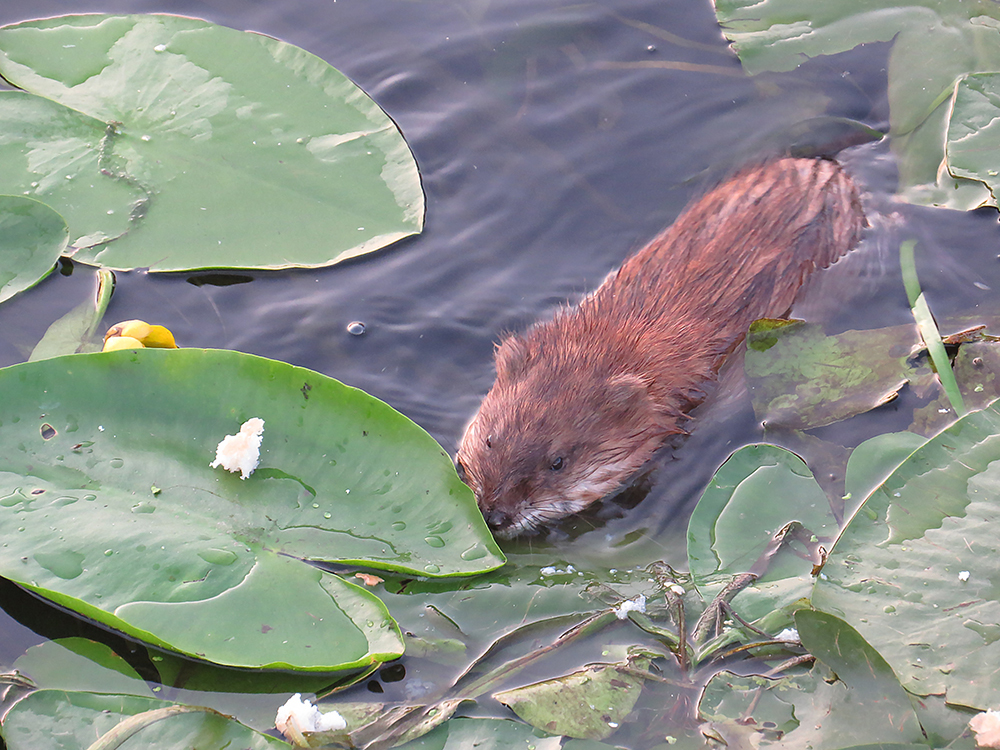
point(557, 464)
point(489, 441)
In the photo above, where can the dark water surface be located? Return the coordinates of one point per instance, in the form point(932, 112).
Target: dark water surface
point(552, 142)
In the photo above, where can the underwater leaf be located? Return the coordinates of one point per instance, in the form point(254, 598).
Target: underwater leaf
point(755, 494)
point(32, 237)
point(482, 734)
point(75, 331)
point(80, 664)
point(588, 704)
point(934, 44)
point(172, 143)
point(63, 720)
point(800, 378)
point(109, 507)
point(914, 572)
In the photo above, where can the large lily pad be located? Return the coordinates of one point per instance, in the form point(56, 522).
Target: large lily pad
point(108, 505)
point(172, 143)
point(934, 43)
point(915, 571)
point(32, 237)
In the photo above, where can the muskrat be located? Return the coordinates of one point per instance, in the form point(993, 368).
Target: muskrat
point(581, 402)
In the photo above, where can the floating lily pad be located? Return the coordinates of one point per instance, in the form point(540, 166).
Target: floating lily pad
point(933, 45)
point(32, 237)
point(915, 570)
point(172, 143)
point(108, 505)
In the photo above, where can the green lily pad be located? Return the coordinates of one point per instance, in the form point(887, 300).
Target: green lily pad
point(32, 237)
point(915, 570)
point(109, 507)
point(934, 43)
point(757, 492)
point(62, 720)
point(173, 144)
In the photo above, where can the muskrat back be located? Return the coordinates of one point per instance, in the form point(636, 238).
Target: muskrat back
point(582, 401)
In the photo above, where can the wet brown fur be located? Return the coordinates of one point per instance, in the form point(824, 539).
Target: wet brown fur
point(582, 401)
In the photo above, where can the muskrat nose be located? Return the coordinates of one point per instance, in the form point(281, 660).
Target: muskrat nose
point(497, 518)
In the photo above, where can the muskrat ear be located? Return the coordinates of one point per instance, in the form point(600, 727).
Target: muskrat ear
point(627, 390)
point(511, 357)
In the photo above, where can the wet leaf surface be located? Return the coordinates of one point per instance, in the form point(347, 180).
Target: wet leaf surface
point(114, 512)
point(172, 143)
point(914, 570)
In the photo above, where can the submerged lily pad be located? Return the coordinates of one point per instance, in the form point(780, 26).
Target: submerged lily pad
point(32, 237)
point(566, 705)
point(172, 143)
point(934, 43)
point(915, 570)
point(800, 378)
point(108, 505)
point(63, 720)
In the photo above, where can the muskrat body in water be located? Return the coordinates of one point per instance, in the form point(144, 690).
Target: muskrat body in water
point(582, 401)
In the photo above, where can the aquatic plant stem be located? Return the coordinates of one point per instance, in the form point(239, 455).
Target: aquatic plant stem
point(928, 328)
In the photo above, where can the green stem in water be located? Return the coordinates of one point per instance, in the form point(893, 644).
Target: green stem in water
point(928, 328)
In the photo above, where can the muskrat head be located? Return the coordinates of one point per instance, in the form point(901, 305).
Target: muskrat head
point(552, 437)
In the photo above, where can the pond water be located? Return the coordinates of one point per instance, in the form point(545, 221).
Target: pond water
point(553, 139)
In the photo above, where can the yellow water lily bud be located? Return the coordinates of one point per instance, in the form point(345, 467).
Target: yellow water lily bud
point(156, 337)
point(115, 343)
point(159, 337)
point(137, 329)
